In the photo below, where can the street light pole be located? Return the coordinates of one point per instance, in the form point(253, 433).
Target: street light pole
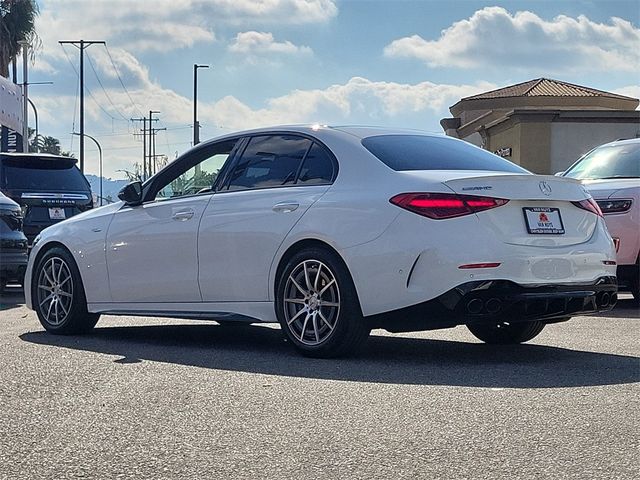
point(25, 96)
point(196, 125)
point(100, 151)
point(35, 114)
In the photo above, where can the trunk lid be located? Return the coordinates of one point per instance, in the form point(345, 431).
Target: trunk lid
point(540, 211)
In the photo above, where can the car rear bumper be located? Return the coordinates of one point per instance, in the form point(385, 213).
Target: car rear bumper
point(12, 265)
point(494, 301)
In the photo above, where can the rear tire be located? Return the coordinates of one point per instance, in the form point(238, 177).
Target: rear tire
point(505, 334)
point(58, 295)
point(317, 305)
point(634, 288)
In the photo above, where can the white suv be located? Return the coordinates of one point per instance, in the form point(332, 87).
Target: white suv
point(611, 173)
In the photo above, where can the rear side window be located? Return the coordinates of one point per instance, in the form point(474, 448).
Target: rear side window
point(269, 161)
point(317, 168)
point(421, 152)
point(35, 174)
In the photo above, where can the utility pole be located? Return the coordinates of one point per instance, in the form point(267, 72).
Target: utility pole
point(151, 119)
point(152, 155)
point(81, 45)
point(196, 124)
point(144, 143)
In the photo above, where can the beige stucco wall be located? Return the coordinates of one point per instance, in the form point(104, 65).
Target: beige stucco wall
point(474, 138)
point(535, 145)
point(550, 147)
point(529, 141)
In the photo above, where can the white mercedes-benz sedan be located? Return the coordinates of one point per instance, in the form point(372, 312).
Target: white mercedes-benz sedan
point(333, 231)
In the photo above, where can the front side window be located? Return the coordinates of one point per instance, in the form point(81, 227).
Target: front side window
point(269, 161)
point(198, 178)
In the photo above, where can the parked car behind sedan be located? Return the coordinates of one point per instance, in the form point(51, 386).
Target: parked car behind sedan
point(611, 173)
point(13, 243)
point(49, 188)
point(333, 231)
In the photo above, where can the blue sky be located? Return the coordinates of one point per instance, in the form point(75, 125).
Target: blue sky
point(399, 63)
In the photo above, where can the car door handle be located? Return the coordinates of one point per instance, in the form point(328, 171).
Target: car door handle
point(285, 207)
point(183, 215)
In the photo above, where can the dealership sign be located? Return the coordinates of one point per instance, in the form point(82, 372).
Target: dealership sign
point(503, 152)
point(10, 116)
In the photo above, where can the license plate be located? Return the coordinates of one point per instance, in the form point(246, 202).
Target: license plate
point(57, 213)
point(543, 220)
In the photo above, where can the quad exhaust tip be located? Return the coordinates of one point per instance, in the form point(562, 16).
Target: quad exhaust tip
point(606, 299)
point(490, 306)
point(493, 305)
point(475, 306)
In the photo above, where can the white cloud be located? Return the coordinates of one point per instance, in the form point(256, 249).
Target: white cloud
point(357, 101)
point(493, 36)
point(260, 43)
point(274, 11)
point(164, 25)
point(141, 26)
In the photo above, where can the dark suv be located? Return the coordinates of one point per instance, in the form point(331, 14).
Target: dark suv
point(13, 243)
point(49, 188)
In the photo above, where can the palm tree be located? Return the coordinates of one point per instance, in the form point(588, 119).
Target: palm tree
point(17, 22)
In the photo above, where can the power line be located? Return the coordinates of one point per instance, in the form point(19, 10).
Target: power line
point(87, 88)
point(104, 90)
point(75, 107)
point(121, 82)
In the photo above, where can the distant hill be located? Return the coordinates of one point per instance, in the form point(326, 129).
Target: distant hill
point(110, 188)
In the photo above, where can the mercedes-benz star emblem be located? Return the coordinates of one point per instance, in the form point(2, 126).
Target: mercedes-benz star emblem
point(545, 188)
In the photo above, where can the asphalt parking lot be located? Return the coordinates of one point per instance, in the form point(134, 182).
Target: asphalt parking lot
point(155, 398)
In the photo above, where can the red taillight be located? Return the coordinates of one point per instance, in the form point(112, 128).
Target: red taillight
point(445, 205)
point(470, 266)
point(589, 205)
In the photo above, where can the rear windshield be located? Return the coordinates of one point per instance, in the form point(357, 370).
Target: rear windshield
point(615, 161)
point(41, 175)
point(421, 152)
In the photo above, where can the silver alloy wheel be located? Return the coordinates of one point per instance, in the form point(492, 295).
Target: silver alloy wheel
point(55, 291)
point(311, 302)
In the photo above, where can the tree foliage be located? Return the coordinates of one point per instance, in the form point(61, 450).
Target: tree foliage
point(17, 22)
point(46, 144)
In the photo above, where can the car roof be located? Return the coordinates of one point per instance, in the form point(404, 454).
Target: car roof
point(626, 141)
point(359, 131)
point(41, 156)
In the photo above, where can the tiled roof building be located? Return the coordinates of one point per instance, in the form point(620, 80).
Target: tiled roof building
point(543, 124)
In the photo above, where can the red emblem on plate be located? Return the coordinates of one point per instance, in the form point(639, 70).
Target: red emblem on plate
point(544, 218)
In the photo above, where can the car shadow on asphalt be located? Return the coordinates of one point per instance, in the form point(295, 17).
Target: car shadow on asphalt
point(385, 359)
point(11, 297)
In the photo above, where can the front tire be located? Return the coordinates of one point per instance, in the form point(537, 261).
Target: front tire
point(58, 295)
point(505, 334)
point(317, 305)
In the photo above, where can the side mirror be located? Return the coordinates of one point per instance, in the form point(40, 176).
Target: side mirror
point(131, 194)
point(559, 174)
